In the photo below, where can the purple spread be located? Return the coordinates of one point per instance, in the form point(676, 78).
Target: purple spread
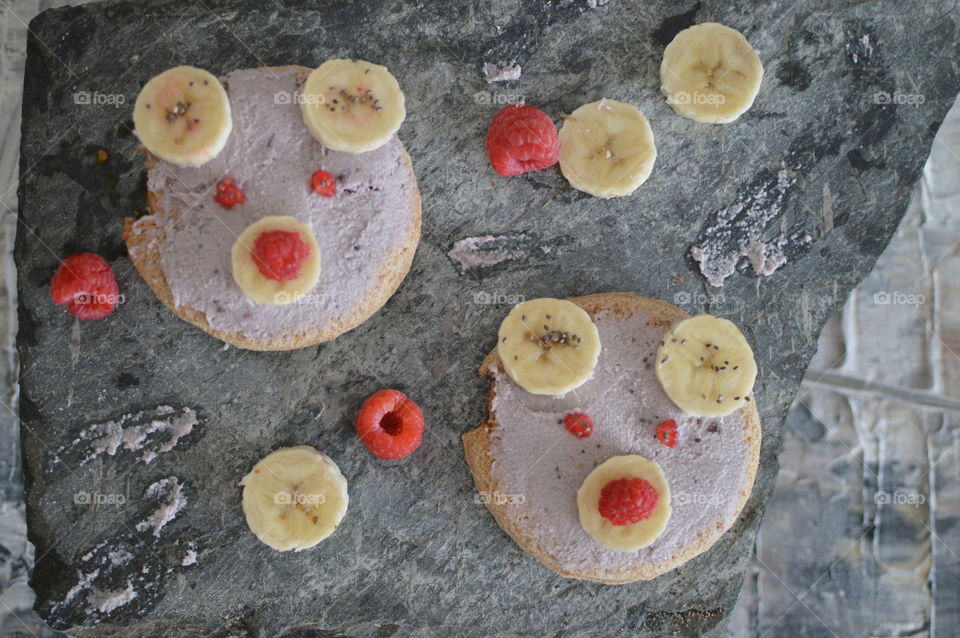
point(272, 155)
point(541, 466)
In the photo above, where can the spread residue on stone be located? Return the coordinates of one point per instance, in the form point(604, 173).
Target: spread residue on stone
point(489, 250)
point(125, 572)
point(107, 601)
point(150, 432)
point(737, 231)
point(501, 71)
point(170, 492)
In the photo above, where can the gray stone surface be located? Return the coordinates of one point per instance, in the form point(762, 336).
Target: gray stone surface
point(416, 555)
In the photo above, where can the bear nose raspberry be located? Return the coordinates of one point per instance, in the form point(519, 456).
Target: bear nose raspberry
point(628, 500)
point(279, 254)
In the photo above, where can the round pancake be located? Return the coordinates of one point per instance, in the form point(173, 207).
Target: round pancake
point(367, 234)
point(527, 468)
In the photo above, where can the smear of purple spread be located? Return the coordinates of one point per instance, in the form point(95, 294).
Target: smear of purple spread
point(736, 232)
point(501, 71)
point(488, 250)
point(151, 432)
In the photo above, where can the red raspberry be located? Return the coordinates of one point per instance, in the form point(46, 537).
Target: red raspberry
point(627, 500)
point(85, 283)
point(279, 254)
point(390, 425)
point(522, 138)
point(322, 183)
point(667, 433)
point(229, 193)
point(579, 424)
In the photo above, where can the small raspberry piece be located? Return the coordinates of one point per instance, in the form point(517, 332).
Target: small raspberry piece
point(579, 424)
point(279, 254)
point(85, 283)
point(229, 193)
point(627, 500)
point(522, 138)
point(390, 425)
point(667, 433)
point(322, 183)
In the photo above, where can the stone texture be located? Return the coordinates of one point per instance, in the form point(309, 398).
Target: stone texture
point(416, 555)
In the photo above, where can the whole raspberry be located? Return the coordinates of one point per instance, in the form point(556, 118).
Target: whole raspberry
point(279, 254)
point(390, 425)
point(627, 500)
point(85, 283)
point(579, 424)
point(522, 138)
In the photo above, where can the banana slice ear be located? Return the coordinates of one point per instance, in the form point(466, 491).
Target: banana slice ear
point(548, 346)
point(352, 105)
point(706, 366)
point(183, 116)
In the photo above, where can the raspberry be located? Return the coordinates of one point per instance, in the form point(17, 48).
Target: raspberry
point(667, 433)
point(322, 183)
point(390, 425)
point(279, 254)
point(229, 193)
point(627, 500)
point(522, 138)
point(85, 283)
point(578, 424)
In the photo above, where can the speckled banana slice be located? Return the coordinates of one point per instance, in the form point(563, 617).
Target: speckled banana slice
point(710, 73)
point(548, 346)
point(706, 366)
point(352, 105)
point(294, 498)
point(267, 291)
point(606, 148)
point(183, 116)
point(624, 538)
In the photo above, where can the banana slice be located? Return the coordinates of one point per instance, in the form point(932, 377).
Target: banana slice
point(706, 366)
point(352, 105)
point(710, 73)
point(624, 538)
point(294, 498)
point(267, 291)
point(183, 116)
point(548, 346)
point(606, 148)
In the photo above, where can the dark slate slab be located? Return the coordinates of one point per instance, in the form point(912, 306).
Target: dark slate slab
point(416, 555)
